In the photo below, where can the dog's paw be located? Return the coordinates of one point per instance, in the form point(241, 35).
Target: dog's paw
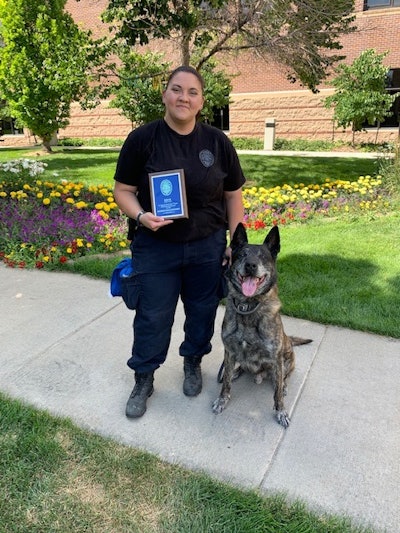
point(258, 379)
point(219, 405)
point(283, 418)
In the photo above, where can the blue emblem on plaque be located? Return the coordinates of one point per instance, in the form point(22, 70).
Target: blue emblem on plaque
point(166, 187)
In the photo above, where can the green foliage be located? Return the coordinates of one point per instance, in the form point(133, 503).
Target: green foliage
point(247, 143)
point(389, 169)
point(360, 91)
point(139, 87)
point(217, 89)
point(142, 78)
point(299, 35)
point(44, 64)
point(304, 145)
point(93, 141)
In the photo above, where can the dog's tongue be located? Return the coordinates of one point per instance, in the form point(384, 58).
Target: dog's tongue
point(249, 286)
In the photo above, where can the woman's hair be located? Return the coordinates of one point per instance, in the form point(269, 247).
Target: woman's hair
point(189, 70)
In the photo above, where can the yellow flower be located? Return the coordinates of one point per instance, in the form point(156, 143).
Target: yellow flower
point(46, 201)
point(81, 205)
point(103, 215)
point(46, 258)
point(88, 245)
point(69, 250)
point(122, 244)
point(70, 201)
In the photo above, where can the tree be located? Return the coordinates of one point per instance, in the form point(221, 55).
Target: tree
point(299, 34)
point(141, 79)
point(361, 94)
point(45, 64)
point(138, 87)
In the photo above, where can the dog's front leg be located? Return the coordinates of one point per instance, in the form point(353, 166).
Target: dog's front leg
point(225, 394)
point(281, 414)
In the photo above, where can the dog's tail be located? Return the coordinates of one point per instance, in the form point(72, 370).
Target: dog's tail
point(297, 341)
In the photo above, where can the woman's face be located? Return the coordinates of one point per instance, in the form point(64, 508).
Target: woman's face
point(183, 98)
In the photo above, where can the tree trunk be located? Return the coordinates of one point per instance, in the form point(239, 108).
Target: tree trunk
point(47, 146)
point(377, 131)
point(49, 141)
point(185, 51)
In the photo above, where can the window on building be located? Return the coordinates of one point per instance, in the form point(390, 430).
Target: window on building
point(393, 87)
point(221, 118)
point(374, 4)
point(7, 127)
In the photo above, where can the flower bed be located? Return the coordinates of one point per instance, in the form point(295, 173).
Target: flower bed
point(299, 203)
point(46, 222)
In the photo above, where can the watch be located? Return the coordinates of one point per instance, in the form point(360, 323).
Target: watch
point(138, 217)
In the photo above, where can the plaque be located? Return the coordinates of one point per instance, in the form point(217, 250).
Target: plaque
point(168, 194)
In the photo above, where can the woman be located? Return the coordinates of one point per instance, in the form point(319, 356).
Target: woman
point(177, 257)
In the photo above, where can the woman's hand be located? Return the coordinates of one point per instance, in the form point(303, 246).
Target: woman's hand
point(153, 222)
point(126, 198)
point(227, 259)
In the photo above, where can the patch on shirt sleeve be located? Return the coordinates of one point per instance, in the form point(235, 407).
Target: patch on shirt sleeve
point(207, 158)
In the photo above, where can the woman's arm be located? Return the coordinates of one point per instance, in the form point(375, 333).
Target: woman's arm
point(234, 208)
point(125, 197)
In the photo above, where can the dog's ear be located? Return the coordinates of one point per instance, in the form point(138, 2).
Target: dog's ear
point(273, 242)
point(239, 237)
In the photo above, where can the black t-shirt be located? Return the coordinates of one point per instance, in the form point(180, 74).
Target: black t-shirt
point(210, 164)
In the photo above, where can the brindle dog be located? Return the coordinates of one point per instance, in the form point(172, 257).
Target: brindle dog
point(252, 330)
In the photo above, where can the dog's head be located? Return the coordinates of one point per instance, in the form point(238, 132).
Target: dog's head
point(253, 269)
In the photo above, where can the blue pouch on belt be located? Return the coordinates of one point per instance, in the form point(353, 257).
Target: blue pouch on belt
point(124, 269)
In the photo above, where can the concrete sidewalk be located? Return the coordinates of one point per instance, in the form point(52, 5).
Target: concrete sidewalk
point(65, 345)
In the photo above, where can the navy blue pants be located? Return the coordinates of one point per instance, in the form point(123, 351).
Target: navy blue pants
point(163, 271)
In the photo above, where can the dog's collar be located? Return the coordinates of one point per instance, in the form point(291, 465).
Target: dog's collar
point(246, 308)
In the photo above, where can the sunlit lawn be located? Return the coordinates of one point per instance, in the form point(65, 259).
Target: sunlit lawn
point(279, 170)
point(98, 166)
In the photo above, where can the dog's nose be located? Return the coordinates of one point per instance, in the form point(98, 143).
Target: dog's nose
point(251, 268)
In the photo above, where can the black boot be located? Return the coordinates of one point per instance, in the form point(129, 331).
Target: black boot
point(192, 383)
point(136, 405)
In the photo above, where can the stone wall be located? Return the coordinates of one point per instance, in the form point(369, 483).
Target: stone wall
point(299, 114)
point(103, 121)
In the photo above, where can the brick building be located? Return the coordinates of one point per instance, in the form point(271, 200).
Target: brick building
point(260, 90)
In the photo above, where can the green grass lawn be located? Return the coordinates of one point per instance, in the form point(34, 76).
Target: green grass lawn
point(98, 166)
point(277, 170)
point(56, 477)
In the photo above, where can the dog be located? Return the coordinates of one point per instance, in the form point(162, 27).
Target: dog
point(252, 329)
